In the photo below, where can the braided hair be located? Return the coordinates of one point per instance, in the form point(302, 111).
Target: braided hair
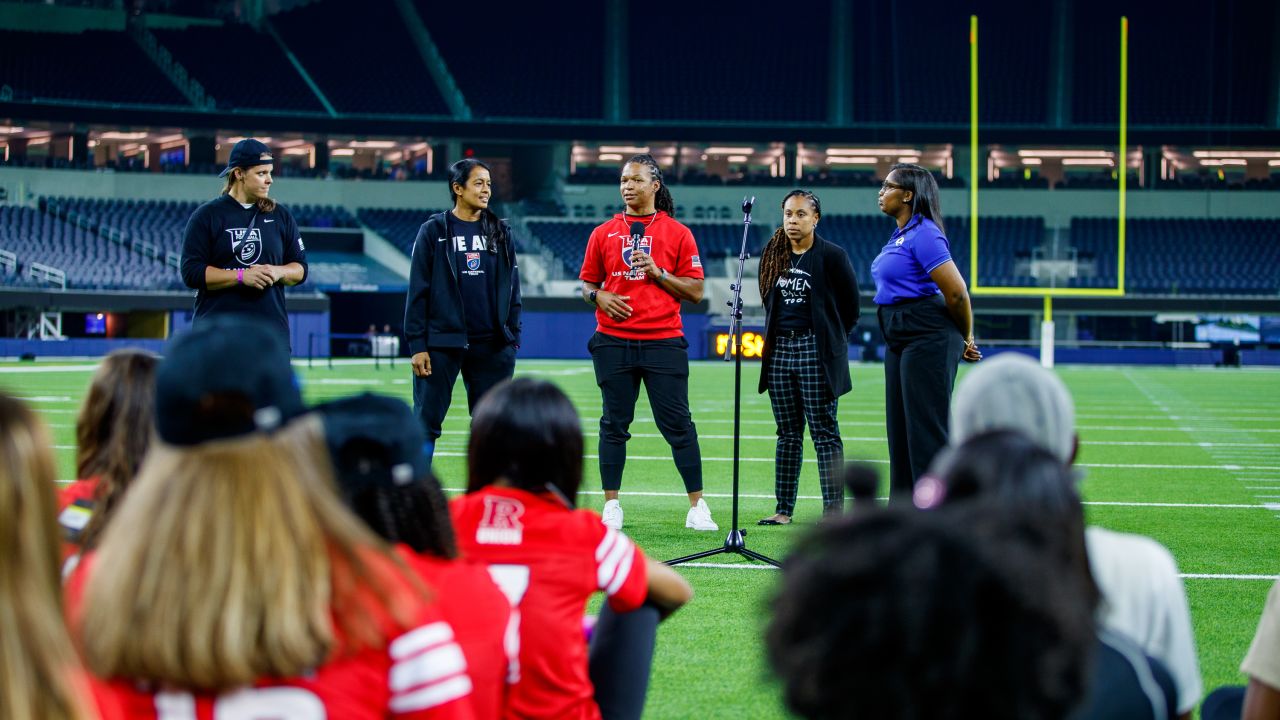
point(490, 225)
point(662, 199)
point(775, 256)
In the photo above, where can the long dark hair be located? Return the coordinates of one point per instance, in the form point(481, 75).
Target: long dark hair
point(924, 192)
point(528, 432)
point(661, 199)
point(1008, 468)
point(773, 259)
point(113, 431)
point(490, 224)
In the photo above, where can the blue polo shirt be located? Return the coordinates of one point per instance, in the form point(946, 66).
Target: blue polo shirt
point(901, 270)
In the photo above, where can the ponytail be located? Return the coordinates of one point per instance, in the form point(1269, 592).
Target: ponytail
point(662, 199)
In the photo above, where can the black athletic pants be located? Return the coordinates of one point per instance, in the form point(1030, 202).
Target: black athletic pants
point(663, 365)
point(482, 365)
point(620, 657)
point(923, 350)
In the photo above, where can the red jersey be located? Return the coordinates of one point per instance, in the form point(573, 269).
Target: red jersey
point(75, 507)
point(655, 314)
point(479, 613)
point(420, 674)
point(549, 560)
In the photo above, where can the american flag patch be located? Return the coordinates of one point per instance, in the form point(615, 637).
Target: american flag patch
point(697, 261)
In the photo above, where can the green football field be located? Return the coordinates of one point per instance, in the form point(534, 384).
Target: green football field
point(1187, 456)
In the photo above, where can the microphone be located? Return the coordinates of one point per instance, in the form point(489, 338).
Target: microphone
point(746, 205)
point(637, 232)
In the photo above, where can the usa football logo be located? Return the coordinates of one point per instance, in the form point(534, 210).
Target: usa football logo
point(628, 248)
point(246, 244)
point(473, 261)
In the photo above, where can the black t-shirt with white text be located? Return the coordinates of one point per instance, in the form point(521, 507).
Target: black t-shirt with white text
point(794, 290)
point(477, 269)
point(224, 234)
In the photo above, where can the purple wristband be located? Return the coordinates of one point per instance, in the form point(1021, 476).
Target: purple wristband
point(240, 276)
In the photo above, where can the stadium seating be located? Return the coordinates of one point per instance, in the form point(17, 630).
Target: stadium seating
point(1170, 82)
point(516, 62)
point(918, 71)
point(346, 271)
point(207, 53)
point(386, 75)
point(776, 76)
point(89, 260)
point(95, 65)
point(1184, 256)
point(398, 226)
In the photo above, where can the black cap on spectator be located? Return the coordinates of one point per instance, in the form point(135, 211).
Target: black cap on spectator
point(374, 440)
point(228, 376)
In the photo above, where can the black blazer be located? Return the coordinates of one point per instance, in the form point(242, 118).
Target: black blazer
point(433, 316)
point(834, 304)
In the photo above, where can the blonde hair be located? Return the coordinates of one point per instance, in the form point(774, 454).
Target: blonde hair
point(38, 666)
point(113, 430)
point(265, 204)
point(234, 560)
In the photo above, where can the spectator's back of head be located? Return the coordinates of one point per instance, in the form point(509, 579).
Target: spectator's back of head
point(1012, 392)
point(113, 431)
point(36, 657)
point(383, 473)
point(228, 376)
point(526, 432)
point(910, 615)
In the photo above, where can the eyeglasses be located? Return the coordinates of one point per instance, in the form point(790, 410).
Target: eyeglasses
point(892, 186)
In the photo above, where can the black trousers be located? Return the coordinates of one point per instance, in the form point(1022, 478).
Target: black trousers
point(663, 366)
point(799, 394)
point(920, 360)
point(482, 366)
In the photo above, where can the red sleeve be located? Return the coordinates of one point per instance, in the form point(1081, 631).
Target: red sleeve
point(592, 262)
point(428, 679)
point(689, 264)
point(620, 570)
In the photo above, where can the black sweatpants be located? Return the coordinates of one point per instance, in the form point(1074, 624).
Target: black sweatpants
point(923, 349)
point(482, 365)
point(663, 366)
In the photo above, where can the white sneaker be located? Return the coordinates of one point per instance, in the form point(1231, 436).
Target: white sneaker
point(699, 517)
point(612, 515)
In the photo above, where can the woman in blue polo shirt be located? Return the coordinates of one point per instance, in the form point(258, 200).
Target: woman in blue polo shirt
point(927, 324)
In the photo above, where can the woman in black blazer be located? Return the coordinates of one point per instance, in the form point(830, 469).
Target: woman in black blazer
point(811, 305)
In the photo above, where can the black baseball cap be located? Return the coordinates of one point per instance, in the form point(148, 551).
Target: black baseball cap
point(228, 376)
point(248, 153)
point(375, 440)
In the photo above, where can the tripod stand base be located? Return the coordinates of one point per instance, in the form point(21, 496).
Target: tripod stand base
point(735, 542)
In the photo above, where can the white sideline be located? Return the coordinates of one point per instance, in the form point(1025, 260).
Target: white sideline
point(1185, 576)
point(1148, 466)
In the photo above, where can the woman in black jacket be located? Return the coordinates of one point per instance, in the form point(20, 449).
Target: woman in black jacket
point(811, 305)
point(462, 312)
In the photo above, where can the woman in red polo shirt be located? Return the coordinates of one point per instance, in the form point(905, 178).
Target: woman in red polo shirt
point(639, 265)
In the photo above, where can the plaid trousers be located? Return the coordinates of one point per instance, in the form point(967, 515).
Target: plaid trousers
point(798, 393)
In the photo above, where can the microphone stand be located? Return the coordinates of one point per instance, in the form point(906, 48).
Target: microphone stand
point(736, 541)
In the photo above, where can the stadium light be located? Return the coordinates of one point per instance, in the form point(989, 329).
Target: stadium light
point(633, 149)
point(1096, 162)
point(342, 152)
point(610, 156)
point(1064, 153)
point(885, 152)
point(1236, 154)
point(738, 158)
point(716, 150)
point(114, 135)
point(374, 144)
point(868, 160)
point(10, 129)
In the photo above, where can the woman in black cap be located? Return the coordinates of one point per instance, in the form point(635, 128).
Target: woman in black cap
point(241, 249)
